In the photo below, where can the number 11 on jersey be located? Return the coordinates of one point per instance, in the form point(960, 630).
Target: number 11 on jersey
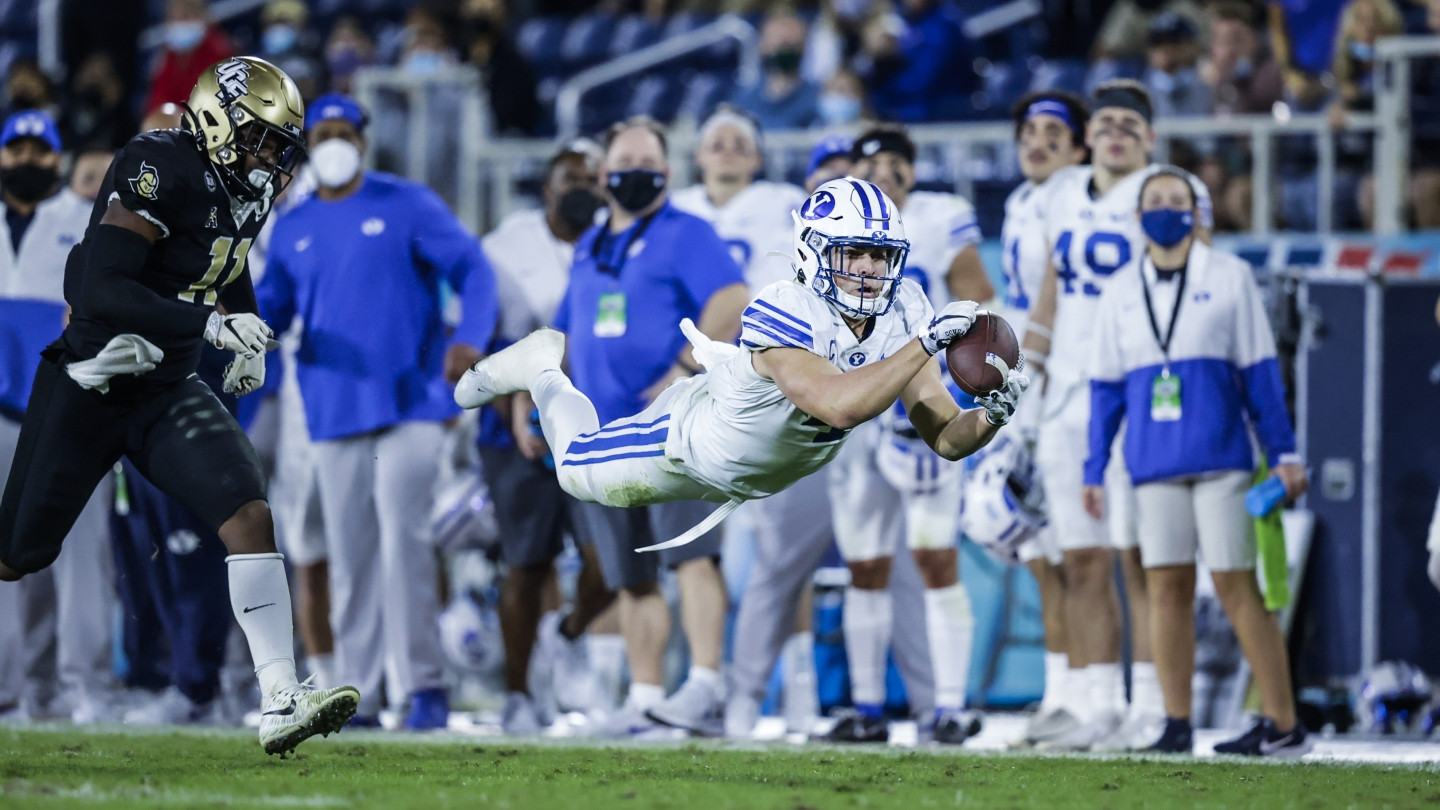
point(206, 290)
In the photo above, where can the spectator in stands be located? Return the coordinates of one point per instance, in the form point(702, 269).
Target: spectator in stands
point(1425, 129)
point(192, 43)
point(781, 99)
point(1302, 35)
point(1172, 78)
point(1125, 34)
point(28, 88)
point(97, 109)
point(828, 160)
point(88, 172)
point(88, 28)
point(1362, 23)
point(427, 45)
point(286, 42)
point(348, 49)
point(916, 62)
point(509, 80)
point(842, 102)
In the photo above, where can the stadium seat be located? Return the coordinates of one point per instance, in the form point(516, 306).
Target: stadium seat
point(539, 40)
point(702, 93)
point(586, 41)
point(631, 34)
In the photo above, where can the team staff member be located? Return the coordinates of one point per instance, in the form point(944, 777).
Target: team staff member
point(361, 263)
point(633, 279)
point(1184, 353)
point(65, 608)
point(532, 251)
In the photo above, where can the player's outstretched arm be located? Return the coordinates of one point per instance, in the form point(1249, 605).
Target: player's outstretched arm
point(951, 432)
point(846, 400)
point(116, 256)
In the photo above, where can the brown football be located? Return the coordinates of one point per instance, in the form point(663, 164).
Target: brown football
point(975, 358)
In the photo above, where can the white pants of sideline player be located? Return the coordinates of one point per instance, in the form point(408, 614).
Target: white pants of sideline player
point(65, 610)
point(376, 492)
point(1060, 452)
point(1207, 514)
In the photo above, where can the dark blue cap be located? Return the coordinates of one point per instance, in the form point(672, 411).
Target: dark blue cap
point(31, 124)
point(832, 146)
point(336, 105)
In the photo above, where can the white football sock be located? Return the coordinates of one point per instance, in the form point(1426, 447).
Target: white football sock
point(644, 696)
point(1107, 688)
point(950, 628)
point(867, 621)
point(1057, 669)
point(260, 597)
point(564, 412)
point(1075, 691)
point(1145, 695)
point(323, 668)
point(799, 695)
point(708, 678)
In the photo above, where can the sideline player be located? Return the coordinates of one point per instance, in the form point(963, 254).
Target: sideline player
point(168, 241)
point(1049, 136)
point(820, 355)
point(1093, 232)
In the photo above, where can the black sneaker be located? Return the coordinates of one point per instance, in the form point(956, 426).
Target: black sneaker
point(1264, 740)
point(955, 727)
point(855, 727)
point(1177, 738)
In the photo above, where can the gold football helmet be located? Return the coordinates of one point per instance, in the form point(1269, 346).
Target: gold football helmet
point(246, 107)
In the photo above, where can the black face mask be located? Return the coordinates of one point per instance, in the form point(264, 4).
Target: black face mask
point(785, 62)
point(577, 208)
point(634, 190)
point(27, 182)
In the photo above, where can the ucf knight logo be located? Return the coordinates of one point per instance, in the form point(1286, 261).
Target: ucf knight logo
point(234, 80)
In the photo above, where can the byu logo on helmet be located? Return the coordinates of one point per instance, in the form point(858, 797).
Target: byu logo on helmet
point(234, 80)
point(819, 205)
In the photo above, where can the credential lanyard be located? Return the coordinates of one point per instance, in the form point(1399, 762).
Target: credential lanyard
point(1164, 343)
point(597, 247)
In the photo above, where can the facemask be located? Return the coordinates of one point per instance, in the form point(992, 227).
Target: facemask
point(785, 62)
point(184, 36)
point(577, 208)
point(1363, 51)
point(279, 39)
point(423, 63)
point(837, 108)
point(28, 182)
point(1167, 227)
point(335, 162)
point(634, 190)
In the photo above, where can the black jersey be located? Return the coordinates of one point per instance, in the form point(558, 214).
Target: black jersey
point(204, 243)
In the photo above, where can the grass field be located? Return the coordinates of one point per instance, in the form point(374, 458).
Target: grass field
point(63, 768)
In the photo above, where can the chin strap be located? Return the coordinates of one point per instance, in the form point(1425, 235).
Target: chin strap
point(700, 529)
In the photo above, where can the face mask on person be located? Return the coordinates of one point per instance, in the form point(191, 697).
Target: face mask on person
point(577, 208)
point(336, 162)
point(28, 182)
point(785, 62)
point(636, 189)
point(423, 63)
point(279, 39)
point(1167, 227)
point(838, 108)
point(184, 36)
point(1362, 51)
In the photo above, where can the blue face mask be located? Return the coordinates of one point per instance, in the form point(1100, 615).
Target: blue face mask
point(1167, 227)
point(836, 109)
point(1363, 51)
point(279, 39)
point(424, 63)
point(184, 36)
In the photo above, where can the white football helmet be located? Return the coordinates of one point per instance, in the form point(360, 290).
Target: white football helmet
point(843, 213)
point(1002, 504)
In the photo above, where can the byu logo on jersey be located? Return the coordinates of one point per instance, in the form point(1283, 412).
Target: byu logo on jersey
point(147, 182)
point(234, 80)
point(857, 359)
point(818, 206)
point(373, 226)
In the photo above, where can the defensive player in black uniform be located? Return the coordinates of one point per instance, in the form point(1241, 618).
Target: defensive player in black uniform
point(168, 240)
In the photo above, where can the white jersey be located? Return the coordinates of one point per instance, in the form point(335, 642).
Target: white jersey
point(738, 432)
point(1091, 239)
point(1025, 249)
point(753, 223)
point(938, 226)
point(532, 269)
point(37, 270)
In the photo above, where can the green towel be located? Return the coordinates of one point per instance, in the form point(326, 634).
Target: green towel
point(1270, 542)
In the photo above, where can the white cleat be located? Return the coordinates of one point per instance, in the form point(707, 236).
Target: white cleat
point(742, 714)
point(1085, 735)
point(694, 707)
point(576, 686)
point(1139, 731)
point(520, 718)
point(172, 708)
point(511, 369)
point(294, 714)
point(1048, 722)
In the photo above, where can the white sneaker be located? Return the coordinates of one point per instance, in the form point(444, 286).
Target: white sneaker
point(520, 717)
point(1139, 731)
point(631, 722)
point(741, 715)
point(694, 707)
point(89, 708)
point(511, 369)
point(574, 682)
point(1048, 722)
point(172, 708)
point(293, 714)
point(1084, 735)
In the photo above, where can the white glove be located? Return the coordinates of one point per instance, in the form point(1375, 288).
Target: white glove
point(708, 353)
point(245, 334)
point(245, 374)
point(952, 321)
point(999, 404)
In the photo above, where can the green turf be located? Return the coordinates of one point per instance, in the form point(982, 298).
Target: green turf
point(40, 768)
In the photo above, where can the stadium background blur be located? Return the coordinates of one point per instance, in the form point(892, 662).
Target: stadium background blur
point(1317, 144)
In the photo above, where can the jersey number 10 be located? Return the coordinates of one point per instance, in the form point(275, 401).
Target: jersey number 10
point(206, 290)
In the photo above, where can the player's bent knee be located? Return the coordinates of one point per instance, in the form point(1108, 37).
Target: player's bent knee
point(870, 575)
point(938, 567)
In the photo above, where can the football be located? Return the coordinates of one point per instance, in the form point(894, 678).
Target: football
point(977, 359)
